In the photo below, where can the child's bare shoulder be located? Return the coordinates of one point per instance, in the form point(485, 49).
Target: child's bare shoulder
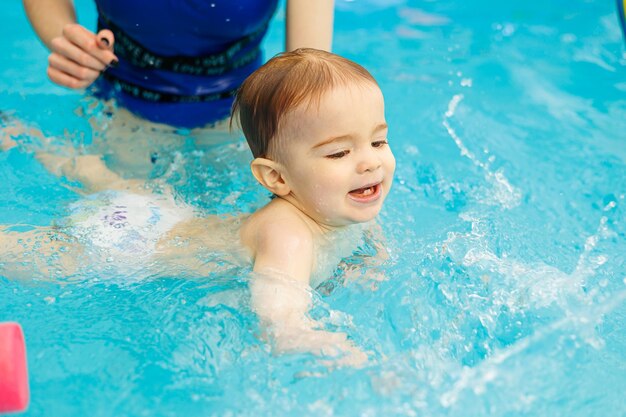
point(277, 221)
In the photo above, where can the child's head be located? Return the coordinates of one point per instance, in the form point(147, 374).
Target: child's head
point(316, 126)
point(285, 82)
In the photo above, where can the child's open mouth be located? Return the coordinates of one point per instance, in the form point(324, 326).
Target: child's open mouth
point(366, 194)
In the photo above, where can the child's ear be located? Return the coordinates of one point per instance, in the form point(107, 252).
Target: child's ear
point(269, 174)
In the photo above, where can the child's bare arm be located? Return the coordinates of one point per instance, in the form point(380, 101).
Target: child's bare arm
point(282, 305)
point(282, 296)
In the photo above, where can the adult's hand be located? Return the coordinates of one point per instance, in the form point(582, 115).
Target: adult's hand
point(79, 56)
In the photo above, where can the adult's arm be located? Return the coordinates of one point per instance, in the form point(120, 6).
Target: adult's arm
point(78, 56)
point(48, 17)
point(310, 24)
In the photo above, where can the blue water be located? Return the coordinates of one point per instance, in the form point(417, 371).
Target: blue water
point(505, 292)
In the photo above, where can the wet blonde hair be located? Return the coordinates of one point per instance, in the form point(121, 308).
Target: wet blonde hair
point(282, 84)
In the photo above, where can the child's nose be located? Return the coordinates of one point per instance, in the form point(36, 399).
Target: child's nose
point(369, 162)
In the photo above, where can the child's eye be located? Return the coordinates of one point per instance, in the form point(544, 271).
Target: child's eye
point(338, 155)
point(379, 143)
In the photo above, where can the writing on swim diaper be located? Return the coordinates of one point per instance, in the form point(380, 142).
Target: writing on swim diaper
point(118, 218)
point(126, 224)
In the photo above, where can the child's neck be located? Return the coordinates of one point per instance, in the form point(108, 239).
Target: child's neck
point(317, 227)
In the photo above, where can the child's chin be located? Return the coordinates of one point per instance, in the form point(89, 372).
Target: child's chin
point(353, 218)
point(365, 217)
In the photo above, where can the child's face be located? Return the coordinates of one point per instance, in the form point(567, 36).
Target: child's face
point(336, 158)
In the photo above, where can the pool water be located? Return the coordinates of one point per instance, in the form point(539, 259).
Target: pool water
point(505, 290)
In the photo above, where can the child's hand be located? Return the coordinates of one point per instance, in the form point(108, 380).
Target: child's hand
point(333, 345)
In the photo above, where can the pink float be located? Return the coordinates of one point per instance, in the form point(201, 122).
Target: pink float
point(13, 373)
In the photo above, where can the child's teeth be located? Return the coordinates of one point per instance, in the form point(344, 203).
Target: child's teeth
point(367, 191)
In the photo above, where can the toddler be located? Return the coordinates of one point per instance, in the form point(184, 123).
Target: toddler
point(316, 126)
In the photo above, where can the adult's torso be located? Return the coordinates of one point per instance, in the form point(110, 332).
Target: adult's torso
point(187, 27)
point(183, 28)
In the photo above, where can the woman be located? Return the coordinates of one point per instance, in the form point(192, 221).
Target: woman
point(177, 63)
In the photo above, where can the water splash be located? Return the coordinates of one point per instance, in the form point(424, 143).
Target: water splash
point(504, 194)
point(477, 378)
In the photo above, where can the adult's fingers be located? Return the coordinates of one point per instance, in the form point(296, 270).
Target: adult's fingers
point(87, 42)
point(71, 68)
point(63, 46)
point(66, 80)
point(105, 39)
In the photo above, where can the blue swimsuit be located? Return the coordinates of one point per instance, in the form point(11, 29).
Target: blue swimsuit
point(181, 61)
